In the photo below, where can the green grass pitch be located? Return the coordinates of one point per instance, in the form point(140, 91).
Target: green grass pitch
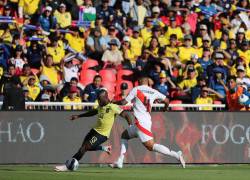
point(168, 172)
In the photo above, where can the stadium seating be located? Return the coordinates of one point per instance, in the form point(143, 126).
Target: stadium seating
point(89, 63)
point(124, 74)
point(176, 108)
point(108, 75)
point(87, 76)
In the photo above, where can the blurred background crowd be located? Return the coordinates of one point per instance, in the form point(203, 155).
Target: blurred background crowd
point(194, 51)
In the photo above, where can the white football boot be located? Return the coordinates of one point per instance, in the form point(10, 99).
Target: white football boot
point(181, 159)
point(61, 168)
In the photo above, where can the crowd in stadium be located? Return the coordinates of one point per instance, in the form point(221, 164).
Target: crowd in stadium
point(194, 51)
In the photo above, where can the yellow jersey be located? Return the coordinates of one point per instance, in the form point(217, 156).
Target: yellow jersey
point(29, 6)
point(51, 73)
point(77, 43)
point(185, 53)
point(188, 83)
point(207, 100)
point(33, 92)
point(58, 54)
point(106, 118)
point(75, 100)
point(136, 45)
point(63, 19)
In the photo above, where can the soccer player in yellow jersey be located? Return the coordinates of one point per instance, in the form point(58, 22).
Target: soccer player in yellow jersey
point(106, 113)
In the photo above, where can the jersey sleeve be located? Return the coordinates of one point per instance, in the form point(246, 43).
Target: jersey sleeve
point(116, 109)
point(131, 95)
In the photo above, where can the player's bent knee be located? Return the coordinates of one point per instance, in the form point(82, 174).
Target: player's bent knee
point(149, 145)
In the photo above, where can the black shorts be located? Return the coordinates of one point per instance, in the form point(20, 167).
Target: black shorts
point(94, 139)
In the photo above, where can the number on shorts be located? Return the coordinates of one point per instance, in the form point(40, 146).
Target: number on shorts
point(93, 140)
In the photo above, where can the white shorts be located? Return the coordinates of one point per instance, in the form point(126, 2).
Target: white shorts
point(143, 131)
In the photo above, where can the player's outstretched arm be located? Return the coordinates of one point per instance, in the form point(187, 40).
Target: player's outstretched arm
point(86, 114)
point(128, 116)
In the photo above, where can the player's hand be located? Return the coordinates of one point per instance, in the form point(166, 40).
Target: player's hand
point(73, 117)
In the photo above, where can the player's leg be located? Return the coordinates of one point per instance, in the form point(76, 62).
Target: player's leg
point(152, 146)
point(146, 137)
point(91, 142)
point(126, 135)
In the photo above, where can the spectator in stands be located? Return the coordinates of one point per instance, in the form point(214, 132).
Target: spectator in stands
point(27, 7)
point(154, 48)
point(165, 84)
point(34, 89)
point(18, 59)
point(186, 84)
point(76, 40)
point(112, 35)
point(124, 92)
point(96, 44)
point(240, 36)
point(91, 90)
point(186, 50)
point(215, 80)
point(51, 91)
point(56, 50)
point(6, 77)
point(105, 10)
point(47, 21)
point(241, 76)
point(128, 53)
point(13, 95)
point(174, 29)
point(205, 97)
point(48, 69)
point(62, 16)
point(138, 13)
point(206, 60)
point(73, 97)
point(66, 87)
point(232, 51)
point(4, 52)
point(196, 90)
point(146, 31)
point(172, 49)
point(142, 61)
point(244, 51)
point(44, 81)
point(113, 56)
point(26, 74)
point(136, 42)
point(35, 53)
point(218, 62)
point(233, 92)
point(26, 94)
point(69, 69)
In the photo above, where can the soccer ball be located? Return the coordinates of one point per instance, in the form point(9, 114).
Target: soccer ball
point(72, 164)
point(243, 99)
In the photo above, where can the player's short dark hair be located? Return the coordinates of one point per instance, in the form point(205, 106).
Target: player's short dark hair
point(101, 91)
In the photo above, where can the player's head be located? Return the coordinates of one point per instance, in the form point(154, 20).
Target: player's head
point(143, 80)
point(102, 97)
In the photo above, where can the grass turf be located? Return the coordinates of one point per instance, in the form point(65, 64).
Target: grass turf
point(169, 172)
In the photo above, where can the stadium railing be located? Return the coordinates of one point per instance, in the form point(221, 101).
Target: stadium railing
point(86, 106)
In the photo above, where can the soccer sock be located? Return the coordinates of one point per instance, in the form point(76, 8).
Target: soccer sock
point(105, 148)
point(124, 147)
point(164, 150)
